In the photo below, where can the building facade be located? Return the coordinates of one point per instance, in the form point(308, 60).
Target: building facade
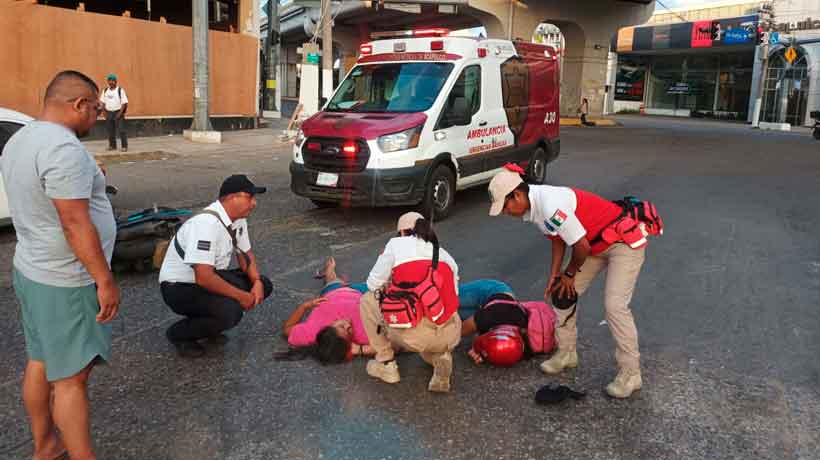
point(149, 50)
point(708, 62)
point(703, 67)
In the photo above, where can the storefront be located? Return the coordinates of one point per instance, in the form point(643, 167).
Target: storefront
point(698, 69)
point(792, 83)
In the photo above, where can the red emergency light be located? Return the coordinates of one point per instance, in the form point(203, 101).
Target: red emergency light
point(366, 48)
point(482, 52)
point(314, 146)
point(436, 32)
point(350, 147)
point(436, 45)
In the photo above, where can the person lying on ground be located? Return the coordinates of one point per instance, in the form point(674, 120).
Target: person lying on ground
point(332, 330)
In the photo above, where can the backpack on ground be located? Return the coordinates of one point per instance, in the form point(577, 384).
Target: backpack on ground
point(540, 323)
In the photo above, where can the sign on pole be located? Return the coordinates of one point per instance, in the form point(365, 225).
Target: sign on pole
point(774, 38)
point(791, 55)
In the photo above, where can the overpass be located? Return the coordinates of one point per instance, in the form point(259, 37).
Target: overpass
point(587, 26)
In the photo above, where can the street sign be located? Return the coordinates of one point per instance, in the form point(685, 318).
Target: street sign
point(791, 55)
point(774, 38)
point(313, 58)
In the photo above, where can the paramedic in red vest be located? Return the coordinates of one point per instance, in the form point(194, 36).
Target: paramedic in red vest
point(408, 257)
point(116, 104)
point(571, 218)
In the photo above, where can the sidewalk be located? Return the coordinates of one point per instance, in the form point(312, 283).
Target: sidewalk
point(176, 145)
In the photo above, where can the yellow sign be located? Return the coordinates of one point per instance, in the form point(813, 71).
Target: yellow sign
point(791, 55)
point(271, 84)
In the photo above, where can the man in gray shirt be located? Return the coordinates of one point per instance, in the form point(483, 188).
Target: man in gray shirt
point(62, 277)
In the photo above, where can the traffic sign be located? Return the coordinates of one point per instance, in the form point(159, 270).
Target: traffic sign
point(774, 38)
point(791, 55)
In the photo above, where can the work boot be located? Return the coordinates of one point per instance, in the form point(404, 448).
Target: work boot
point(560, 361)
point(387, 372)
point(442, 370)
point(625, 383)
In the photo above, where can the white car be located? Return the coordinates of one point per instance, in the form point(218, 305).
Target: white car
point(10, 122)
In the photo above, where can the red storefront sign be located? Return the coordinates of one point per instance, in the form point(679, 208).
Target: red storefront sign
point(702, 34)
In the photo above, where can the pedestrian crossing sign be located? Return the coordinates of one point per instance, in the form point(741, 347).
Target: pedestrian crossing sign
point(791, 55)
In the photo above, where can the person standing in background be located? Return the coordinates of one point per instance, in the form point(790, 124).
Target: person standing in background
point(116, 104)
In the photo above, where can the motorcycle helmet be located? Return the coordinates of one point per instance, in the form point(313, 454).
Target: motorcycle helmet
point(501, 346)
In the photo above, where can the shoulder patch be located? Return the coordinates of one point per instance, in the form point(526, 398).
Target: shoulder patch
point(548, 226)
point(558, 218)
point(203, 245)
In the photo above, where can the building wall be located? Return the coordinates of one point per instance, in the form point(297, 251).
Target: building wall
point(153, 60)
point(708, 11)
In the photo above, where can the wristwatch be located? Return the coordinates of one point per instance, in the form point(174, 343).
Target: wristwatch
point(569, 274)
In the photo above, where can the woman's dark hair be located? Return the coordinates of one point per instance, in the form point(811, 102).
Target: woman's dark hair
point(329, 349)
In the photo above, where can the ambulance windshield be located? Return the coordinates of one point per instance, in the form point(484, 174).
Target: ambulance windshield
point(400, 87)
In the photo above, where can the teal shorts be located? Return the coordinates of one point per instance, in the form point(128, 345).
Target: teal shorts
point(61, 328)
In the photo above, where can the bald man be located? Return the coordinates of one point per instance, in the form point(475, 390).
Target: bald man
point(62, 277)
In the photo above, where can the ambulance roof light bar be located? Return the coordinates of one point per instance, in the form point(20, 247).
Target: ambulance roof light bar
point(434, 32)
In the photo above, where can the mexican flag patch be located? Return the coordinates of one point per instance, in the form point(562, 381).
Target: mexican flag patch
point(558, 218)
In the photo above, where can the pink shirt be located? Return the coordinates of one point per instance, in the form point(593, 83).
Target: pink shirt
point(342, 303)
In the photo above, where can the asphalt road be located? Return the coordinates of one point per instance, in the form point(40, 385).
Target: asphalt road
point(726, 308)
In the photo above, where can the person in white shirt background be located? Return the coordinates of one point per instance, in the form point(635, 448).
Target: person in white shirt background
point(116, 104)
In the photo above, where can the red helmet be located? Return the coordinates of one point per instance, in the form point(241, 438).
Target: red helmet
point(502, 346)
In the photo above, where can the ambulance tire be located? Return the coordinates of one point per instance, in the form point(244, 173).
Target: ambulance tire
point(537, 170)
point(439, 193)
point(325, 204)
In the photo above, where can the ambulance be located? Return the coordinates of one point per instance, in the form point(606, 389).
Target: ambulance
point(423, 114)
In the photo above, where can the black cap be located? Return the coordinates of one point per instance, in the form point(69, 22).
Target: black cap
point(239, 183)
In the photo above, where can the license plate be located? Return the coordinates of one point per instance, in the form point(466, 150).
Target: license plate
point(327, 179)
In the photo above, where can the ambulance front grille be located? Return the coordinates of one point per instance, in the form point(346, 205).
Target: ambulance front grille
point(330, 158)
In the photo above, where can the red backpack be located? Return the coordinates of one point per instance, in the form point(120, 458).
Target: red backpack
point(643, 212)
point(404, 304)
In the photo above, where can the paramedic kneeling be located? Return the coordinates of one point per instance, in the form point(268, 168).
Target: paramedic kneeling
point(194, 279)
point(408, 273)
point(573, 217)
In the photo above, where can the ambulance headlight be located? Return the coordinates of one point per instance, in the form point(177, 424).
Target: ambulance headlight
point(401, 140)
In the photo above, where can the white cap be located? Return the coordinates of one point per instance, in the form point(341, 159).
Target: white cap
point(502, 184)
point(407, 221)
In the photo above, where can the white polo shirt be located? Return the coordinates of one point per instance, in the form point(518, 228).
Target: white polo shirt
point(114, 98)
point(552, 210)
point(204, 241)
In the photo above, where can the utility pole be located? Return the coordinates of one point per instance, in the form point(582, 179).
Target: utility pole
point(327, 49)
point(272, 53)
point(766, 21)
point(201, 130)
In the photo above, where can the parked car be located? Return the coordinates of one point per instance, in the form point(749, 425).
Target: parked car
point(424, 114)
point(10, 122)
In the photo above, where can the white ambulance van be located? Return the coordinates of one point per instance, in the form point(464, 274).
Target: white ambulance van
point(424, 114)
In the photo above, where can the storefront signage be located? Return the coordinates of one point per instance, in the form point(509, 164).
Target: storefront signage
point(629, 83)
point(792, 26)
point(679, 88)
point(740, 30)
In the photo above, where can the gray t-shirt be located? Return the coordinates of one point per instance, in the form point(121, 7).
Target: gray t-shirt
point(41, 162)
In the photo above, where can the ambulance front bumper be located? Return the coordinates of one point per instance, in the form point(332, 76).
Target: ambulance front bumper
point(370, 187)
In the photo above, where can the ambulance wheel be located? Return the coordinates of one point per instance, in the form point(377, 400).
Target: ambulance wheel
point(325, 204)
point(538, 166)
point(440, 193)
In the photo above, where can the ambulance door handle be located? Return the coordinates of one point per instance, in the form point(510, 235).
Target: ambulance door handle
point(482, 123)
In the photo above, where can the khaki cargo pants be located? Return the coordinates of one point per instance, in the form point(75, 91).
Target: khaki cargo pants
point(428, 339)
point(622, 265)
